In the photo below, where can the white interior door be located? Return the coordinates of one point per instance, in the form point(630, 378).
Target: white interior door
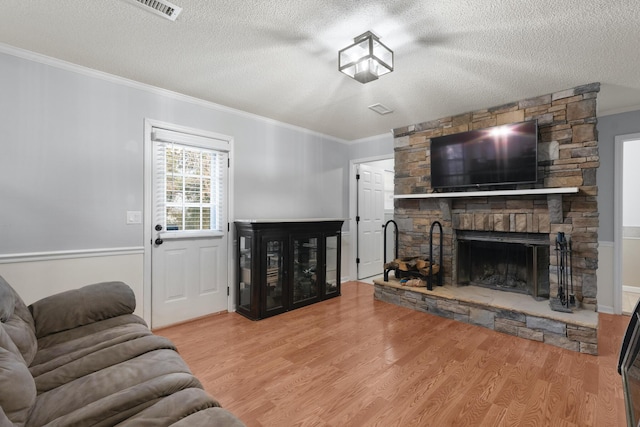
point(190, 230)
point(371, 220)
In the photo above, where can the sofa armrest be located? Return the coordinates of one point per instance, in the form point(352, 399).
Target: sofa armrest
point(78, 307)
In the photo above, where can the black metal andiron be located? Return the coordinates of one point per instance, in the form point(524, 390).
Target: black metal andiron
point(387, 269)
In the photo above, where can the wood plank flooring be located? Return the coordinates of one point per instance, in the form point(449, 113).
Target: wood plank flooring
point(354, 361)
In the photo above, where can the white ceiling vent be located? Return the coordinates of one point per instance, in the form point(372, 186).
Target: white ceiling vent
point(159, 7)
point(380, 109)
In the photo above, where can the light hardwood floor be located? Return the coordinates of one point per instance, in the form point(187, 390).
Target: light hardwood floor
point(354, 361)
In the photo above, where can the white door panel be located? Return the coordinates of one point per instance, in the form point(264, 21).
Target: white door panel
point(209, 266)
point(174, 270)
point(189, 280)
point(371, 213)
point(189, 254)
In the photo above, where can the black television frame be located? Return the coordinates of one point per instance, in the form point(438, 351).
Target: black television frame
point(483, 138)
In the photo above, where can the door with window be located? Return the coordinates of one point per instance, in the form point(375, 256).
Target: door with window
point(190, 232)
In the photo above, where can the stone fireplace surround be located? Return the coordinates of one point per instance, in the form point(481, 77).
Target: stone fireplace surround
point(563, 200)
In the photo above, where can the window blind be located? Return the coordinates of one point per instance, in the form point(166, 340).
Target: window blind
point(190, 182)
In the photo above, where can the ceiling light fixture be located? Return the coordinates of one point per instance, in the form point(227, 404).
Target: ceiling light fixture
point(366, 59)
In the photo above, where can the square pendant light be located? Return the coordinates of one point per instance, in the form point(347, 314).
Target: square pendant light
point(366, 59)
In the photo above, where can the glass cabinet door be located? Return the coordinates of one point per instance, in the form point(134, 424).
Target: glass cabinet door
point(245, 288)
point(305, 269)
point(332, 272)
point(274, 283)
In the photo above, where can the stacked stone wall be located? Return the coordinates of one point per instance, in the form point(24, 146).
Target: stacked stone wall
point(567, 157)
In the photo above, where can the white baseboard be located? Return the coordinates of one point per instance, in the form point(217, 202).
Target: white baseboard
point(631, 289)
point(605, 309)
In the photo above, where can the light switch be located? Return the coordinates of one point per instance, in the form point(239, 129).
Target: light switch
point(134, 217)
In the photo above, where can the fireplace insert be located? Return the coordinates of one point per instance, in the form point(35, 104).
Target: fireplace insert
point(514, 262)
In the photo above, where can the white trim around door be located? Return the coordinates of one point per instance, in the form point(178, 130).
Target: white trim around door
point(353, 166)
point(617, 220)
point(148, 234)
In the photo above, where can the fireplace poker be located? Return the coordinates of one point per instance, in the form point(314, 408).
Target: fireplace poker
point(572, 296)
point(559, 268)
point(563, 270)
point(561, 244)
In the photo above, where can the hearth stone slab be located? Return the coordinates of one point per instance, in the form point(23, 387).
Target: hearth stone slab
point(510, 313)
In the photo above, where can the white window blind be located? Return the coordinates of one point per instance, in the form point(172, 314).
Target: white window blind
point(190, 182)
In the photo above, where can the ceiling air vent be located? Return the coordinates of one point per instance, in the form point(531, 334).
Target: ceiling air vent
point(380, 109)
point(159, 7)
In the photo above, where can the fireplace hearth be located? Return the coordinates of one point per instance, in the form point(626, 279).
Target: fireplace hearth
point(513, 262)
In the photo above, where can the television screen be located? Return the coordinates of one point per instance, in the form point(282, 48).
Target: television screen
point(498, 155)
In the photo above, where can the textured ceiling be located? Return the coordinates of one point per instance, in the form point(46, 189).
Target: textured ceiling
point(278, 59)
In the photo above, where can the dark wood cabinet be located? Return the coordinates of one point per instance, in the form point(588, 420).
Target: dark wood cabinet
point(283, 265)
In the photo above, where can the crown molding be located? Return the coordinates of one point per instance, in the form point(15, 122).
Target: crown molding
point(90, 72)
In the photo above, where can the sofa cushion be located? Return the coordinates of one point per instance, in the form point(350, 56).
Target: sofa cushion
point(87, 332)
point(7, 300)
point(85, 363)
point(79, 307)
point(4, 420)
point(20, 309)
point(17, 321)
point(188, 407)
point(22, 336)
point(135, 383)
point(14, 376)
point(56, 355)
point(7, 343)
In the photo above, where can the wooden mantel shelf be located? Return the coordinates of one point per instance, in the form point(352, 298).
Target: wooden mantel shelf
point(490, 193)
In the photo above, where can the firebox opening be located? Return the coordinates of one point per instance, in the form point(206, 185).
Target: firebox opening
point(514, 263)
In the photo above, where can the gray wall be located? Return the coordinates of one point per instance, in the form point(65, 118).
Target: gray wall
point(376, 146)
point(72, 159)
point(608, 128)
point(367, 148)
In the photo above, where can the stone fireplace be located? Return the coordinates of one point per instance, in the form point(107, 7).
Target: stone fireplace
point(504, 237)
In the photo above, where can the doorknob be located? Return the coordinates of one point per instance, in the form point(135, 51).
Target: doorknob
point(158, 227)
point(158, 241)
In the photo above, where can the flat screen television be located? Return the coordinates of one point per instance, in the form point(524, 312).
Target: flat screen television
point(498, 155)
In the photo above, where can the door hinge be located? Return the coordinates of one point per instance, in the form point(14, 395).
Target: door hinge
point(357, 176)
point(228, 227)
point(357, 260)
point(357, 218)
point(228, 291)
point(228, 162)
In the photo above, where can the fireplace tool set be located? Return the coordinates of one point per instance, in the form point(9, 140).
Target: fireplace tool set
point(566, 297)
point(414, 267)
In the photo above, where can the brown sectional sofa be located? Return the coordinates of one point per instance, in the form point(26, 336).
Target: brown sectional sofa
point(82, 358)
